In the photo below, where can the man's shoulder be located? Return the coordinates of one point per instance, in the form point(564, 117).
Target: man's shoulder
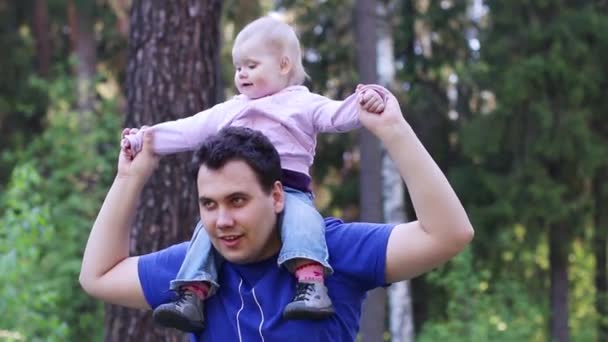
point(357, 251)
point(335, 228)
point(349, 235)
point(157, 269)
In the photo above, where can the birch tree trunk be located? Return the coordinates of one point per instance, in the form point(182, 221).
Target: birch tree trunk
point(401, 322)
point(370, 184)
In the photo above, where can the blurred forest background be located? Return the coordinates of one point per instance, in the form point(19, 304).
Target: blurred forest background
point(508, 96)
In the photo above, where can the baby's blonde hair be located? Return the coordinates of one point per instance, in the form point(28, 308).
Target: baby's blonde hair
point(280, 36)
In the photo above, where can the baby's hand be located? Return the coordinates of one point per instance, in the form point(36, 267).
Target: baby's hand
point(125, 145)
point(371, 101)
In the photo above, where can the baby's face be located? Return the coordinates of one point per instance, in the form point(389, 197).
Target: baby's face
point(257, 70)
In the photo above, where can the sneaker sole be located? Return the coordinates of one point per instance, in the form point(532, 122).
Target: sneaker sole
point(308, 314)
point(169, 320)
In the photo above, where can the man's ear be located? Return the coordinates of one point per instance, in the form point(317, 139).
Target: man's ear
point(285, 65)
point(278, 195)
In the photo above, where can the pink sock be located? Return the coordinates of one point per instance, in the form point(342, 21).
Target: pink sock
point(309, 272)
point(201, 289)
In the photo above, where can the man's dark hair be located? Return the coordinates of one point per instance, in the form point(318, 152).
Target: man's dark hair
point(240, 143)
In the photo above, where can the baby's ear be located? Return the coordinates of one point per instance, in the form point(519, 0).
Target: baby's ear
point(285, 65)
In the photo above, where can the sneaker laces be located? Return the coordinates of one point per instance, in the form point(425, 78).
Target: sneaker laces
point(304, 290)
point(183, 297)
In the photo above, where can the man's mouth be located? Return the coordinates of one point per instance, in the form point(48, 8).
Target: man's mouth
point(231, 241)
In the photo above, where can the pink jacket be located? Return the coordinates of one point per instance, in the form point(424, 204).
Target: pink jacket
point(290, 118)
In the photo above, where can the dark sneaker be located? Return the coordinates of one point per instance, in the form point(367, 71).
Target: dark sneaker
point(185, 314)
point(311, 302)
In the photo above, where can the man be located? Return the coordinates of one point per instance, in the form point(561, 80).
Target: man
point(240, 199)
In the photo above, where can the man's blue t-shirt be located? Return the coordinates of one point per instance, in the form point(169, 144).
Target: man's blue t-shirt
point(249, 304)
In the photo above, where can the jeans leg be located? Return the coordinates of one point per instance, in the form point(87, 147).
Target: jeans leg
point(302, 233)
point(201, 262)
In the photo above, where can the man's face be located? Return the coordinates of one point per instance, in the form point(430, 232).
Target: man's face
point(239, 216)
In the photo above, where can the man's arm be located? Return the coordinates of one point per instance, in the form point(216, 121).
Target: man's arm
point(107, 271)
point(443, 228)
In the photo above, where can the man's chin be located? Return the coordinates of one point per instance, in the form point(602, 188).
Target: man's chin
point(235, 258)
point(240, 258)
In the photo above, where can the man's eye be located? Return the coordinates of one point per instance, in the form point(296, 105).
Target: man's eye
point(208, 205)
point(238, 201)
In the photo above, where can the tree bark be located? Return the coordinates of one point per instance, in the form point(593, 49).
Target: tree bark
point(84, 49)
point(171, 73)
point(41, 34)
point(370, 184)
point(401, 322)
point(558, 263)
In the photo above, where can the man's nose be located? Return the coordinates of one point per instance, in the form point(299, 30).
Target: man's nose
point(224, 219)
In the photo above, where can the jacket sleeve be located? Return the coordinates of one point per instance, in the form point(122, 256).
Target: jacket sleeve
point(330, 116)
point(180, 135)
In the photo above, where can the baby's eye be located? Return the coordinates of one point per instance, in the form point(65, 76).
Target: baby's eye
point(252, 66)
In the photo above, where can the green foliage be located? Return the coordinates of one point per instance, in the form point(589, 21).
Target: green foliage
point(527, 164)
point(49, 205)
point(482, 307)
point(581, 302)
point(22, 102)
point(27, 235)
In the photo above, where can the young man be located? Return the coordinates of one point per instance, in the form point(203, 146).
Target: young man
point(240, 198)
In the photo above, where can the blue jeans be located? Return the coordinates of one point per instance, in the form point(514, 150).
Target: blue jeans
point(302, 236)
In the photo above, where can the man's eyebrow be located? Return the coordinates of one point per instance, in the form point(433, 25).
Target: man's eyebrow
point(202, 199)
point(237, 194)
point(231, 195)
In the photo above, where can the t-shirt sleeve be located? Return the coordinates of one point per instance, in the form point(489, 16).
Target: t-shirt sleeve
point(358, 250)
point(156, 270)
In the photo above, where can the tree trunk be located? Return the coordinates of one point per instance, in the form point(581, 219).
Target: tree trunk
point(370, 184)
point(80, 20)
point(171, 73)
point(600, 248)
point(400, 303)
point(401, 318)
point(558, 263)
point(41, 34)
